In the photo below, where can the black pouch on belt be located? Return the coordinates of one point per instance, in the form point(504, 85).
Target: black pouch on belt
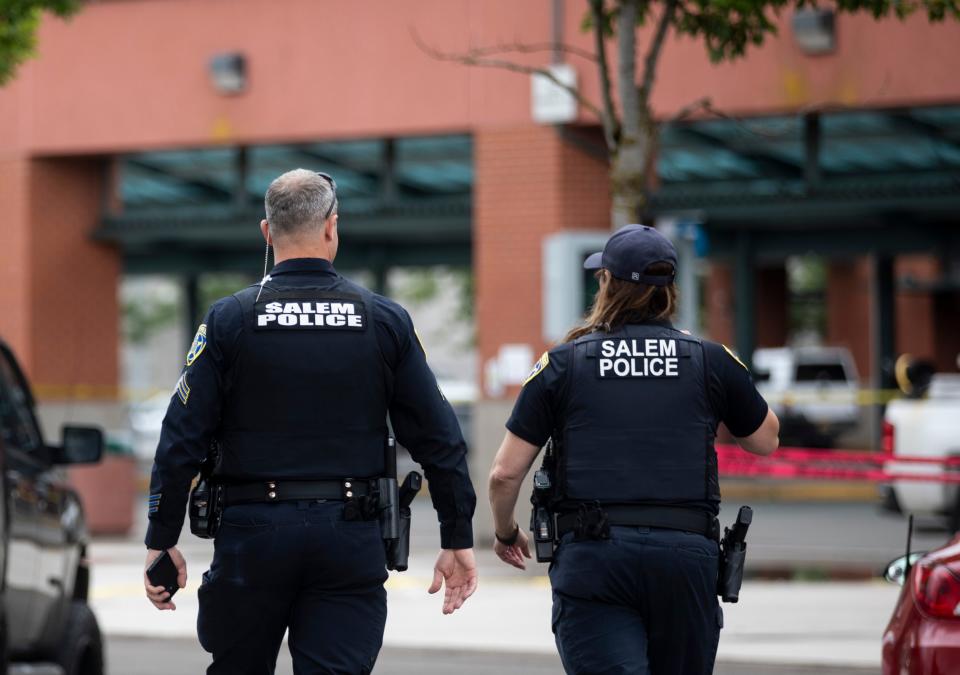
point(592, 523)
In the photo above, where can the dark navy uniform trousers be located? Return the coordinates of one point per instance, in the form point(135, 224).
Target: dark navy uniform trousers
point(295, 565)
point(642, 602)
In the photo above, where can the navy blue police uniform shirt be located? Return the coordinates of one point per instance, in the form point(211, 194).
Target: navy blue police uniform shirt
point(539, 408)
point(422, 419)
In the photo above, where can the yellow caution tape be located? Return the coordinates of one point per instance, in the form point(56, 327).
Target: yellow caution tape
point(855, 397)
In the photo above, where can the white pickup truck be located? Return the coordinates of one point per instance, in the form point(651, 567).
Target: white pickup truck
point(926, 427)
point(813, 390)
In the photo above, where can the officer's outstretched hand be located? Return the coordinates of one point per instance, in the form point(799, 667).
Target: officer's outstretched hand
point(458, 569)
point(516, 552)
point(156, 594)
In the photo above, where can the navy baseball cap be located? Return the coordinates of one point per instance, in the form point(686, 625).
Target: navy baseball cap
point(631, 250)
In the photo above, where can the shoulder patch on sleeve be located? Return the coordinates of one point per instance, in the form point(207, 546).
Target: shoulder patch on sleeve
point(538, 368)
point(199, 344)
point(734, 356)
point(153, 502)
point(183, 389)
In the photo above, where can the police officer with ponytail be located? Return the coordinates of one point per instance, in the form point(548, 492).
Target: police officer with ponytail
point(291, 381)
point(631, 497)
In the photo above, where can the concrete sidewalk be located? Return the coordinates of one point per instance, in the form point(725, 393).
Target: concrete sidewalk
point(809, 623)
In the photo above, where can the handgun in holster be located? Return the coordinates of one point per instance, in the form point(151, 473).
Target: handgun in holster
point(733, 554)
point(206, 498)
point(393, 503)
point(542, 522)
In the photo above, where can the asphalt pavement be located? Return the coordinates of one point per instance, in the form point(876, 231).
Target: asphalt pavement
point(126, 656)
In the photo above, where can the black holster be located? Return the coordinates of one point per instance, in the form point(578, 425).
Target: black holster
point(398, 548)
point(732, 559)
point(733, 555)
point(206, 499)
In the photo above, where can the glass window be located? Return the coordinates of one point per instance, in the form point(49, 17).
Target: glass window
point(17, 426)
point(821, 372)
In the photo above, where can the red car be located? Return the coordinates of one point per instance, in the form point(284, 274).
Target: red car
point(923, 636)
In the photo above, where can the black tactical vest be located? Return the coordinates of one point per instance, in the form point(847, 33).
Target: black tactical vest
point(638, 424)
point(308, 389)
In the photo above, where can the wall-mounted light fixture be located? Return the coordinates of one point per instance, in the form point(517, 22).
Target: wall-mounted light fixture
point(228, 73)
point(815, 30)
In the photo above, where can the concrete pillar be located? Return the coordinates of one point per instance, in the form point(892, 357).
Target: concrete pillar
point(883, 324)
point(746, 297)
point(529, 183)
point(192, 312)
point(946, 328)
point(773, 303)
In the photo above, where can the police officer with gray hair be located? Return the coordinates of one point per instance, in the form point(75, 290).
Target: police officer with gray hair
point(284, 400)
point(626, 505)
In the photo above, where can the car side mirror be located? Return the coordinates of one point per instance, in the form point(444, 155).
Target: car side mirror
point(80, 445)
point(896, 570)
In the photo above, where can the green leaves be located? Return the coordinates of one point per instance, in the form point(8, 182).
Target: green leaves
point(729, 27)
point(19, 20)
point(936, 10)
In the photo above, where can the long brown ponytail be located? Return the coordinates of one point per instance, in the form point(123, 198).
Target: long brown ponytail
point(620, 302)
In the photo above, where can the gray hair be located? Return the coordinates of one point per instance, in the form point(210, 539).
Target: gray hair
point(298, 200)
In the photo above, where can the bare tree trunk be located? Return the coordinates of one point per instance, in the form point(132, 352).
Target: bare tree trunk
point(627, 164)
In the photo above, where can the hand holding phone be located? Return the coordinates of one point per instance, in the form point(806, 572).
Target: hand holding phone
point(163, 575)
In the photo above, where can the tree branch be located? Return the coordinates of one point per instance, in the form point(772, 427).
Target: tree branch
point(656, 47)
point(611, 123)
point(706, 105)
point(522, 48)
point(470, 59)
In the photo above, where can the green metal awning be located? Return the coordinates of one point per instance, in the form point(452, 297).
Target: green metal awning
point(403, 201)
point(892, 176)
point(833, 183)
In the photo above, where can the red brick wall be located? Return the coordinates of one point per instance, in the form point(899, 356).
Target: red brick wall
point(914, 308)
point(719, 300)
point(72, 304)
point(772, 305)
point(529, 184)
point(848, 310)
point(14, 261)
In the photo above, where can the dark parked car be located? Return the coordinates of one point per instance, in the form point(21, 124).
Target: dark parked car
point(44, 574)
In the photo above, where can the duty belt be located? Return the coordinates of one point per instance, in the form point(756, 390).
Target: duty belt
point(293, 490)
point(667, 517)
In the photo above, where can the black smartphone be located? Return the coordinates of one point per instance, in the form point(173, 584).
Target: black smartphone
point(162, 572)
